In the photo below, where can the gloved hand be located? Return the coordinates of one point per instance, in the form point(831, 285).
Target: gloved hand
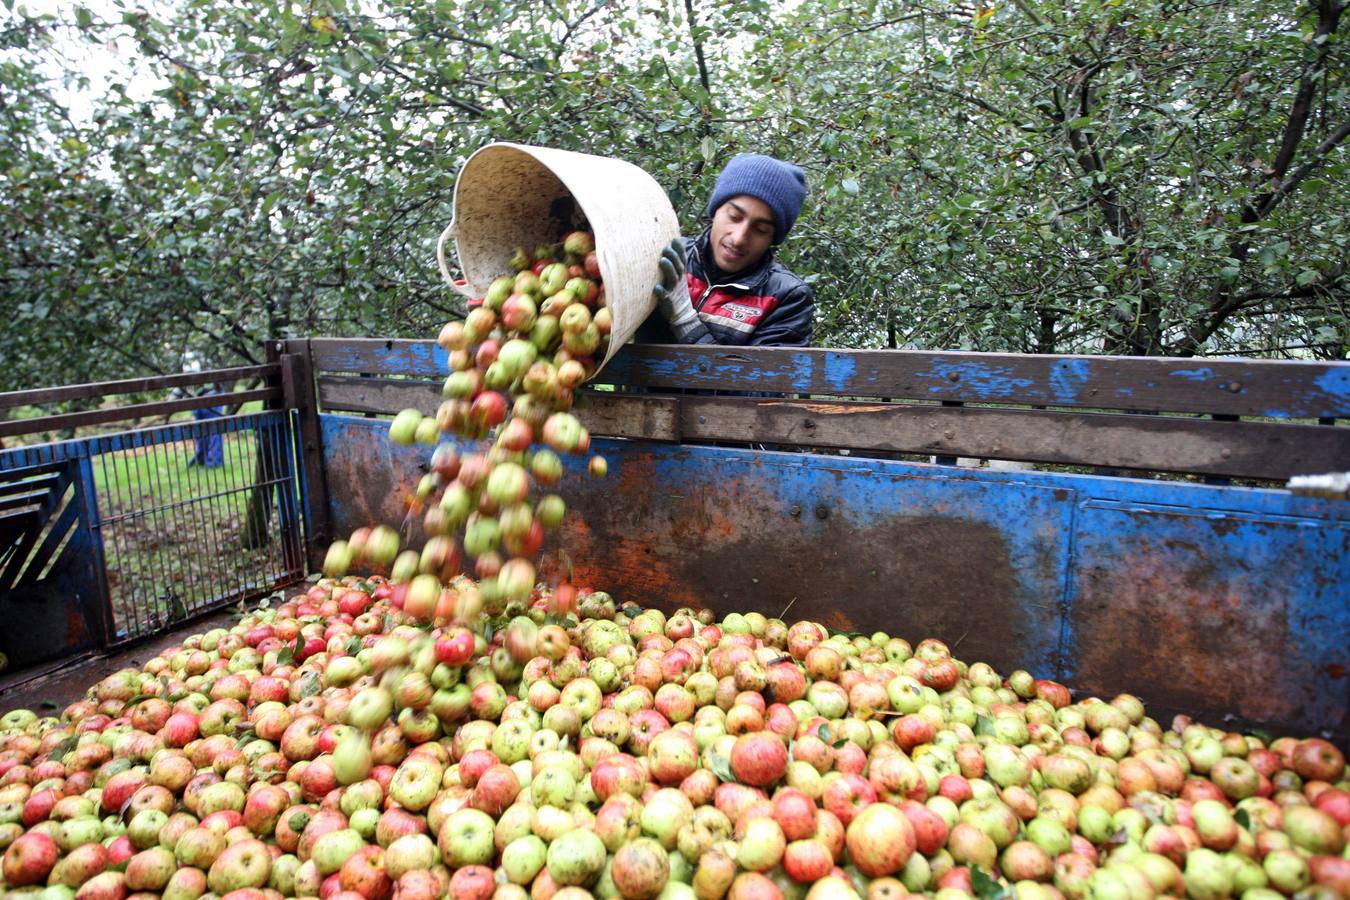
point(672, 294)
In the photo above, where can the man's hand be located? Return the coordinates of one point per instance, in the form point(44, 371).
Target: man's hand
point(671, 270)
point(672, 294)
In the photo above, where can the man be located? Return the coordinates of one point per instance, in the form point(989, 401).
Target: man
point(733, 291)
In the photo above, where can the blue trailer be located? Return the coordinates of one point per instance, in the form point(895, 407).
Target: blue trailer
point(1118, 524)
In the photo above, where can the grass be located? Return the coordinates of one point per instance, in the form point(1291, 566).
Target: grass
point(173, 533)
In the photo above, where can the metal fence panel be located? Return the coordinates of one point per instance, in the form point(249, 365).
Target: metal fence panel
point(170, 522)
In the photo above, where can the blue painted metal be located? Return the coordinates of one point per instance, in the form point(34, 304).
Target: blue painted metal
point(49, 588)
point(17, 543)
point(1228, 603)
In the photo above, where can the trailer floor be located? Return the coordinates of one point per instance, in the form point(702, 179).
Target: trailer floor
point(49, 688)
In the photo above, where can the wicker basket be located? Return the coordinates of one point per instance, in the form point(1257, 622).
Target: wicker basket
point(514, 195)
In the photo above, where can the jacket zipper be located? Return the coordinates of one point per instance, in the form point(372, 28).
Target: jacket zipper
point(698, 307)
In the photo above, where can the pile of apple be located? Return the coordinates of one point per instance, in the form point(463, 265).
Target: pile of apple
point(336, 746)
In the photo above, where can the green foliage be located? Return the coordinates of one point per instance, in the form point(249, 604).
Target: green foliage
point(1144, 177)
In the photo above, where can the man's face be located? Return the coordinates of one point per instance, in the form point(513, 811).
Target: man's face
point(742, 232)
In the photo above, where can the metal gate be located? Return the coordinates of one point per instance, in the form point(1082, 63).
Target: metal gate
point(112, 537)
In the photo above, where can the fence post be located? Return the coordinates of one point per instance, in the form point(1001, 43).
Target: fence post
point(256, 532)
point(297, 379)
point(284, 468)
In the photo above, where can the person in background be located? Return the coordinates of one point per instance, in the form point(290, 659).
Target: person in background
point(725, 286)
point(209, 446)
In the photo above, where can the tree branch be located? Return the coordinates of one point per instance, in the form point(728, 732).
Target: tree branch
point(705, 129)
point(1328, 18)
point(1223, 302)
point(1287, 186)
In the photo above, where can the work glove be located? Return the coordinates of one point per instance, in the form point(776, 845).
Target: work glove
point(672, 295)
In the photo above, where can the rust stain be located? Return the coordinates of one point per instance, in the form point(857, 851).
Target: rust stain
point(75, 628)
point(836, 620)
point(1169, 596)
point(668, 536)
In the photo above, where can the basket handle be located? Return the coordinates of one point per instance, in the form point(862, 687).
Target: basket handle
point(457, 285)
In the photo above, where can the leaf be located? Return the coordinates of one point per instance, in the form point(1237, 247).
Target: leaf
point(986, 887)
point(721, 767)
point(1243, 819)
point(287, 655)
point(311, 686)
point(850, 186)
point(823, 732)
point(1118, 839)
point(60, 750)
point(354, 646)
point(706, 148)
point(667, 125)
point(984, 725)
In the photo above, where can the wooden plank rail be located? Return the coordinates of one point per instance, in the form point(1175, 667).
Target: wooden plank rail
point(267, 374)
point(1136, 442)
point(1240, 450)
point(1254, 388)
point(39, 396)
point(132, 411)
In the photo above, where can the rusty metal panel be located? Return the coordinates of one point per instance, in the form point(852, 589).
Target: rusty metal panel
point(857, 544)
point(1244, 610)
point(367, 474)
point(1230, 603)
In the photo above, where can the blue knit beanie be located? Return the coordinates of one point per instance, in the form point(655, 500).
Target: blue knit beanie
point(782, 187)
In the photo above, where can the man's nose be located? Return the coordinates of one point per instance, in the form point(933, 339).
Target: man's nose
point(739, 233)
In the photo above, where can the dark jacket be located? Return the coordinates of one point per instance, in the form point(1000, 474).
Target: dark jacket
point(767, 306)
